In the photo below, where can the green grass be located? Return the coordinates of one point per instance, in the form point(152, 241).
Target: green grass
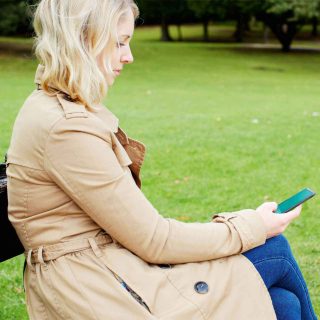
point(226, 128)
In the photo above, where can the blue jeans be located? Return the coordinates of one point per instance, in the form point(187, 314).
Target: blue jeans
point(283, 278)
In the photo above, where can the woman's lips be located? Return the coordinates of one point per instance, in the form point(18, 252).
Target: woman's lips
point(117, 72)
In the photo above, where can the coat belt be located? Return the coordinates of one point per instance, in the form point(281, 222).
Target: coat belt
point(54, 251)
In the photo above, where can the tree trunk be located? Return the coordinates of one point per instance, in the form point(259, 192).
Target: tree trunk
point(284, 31)
point(179, 32)
point(314, 31)
point(242, 24)
point(165, 34)
point(287, 35)
point(266, 30)
point(205, 30)
point(286, 44)
point(247, 26)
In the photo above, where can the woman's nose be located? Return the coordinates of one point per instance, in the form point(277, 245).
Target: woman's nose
point(128, 57)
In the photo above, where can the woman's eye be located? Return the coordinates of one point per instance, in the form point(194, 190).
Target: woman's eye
point(119, 44)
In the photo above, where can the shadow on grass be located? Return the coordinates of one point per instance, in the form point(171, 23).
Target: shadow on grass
point(26, 50)
point(16, 49)
point(260, 48)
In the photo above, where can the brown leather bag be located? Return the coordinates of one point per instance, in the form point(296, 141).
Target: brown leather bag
point(10, 243)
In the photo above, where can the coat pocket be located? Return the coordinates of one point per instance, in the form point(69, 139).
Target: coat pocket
point(149, 282)
point(131, 291)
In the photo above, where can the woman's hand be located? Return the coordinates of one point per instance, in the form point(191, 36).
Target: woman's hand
point(276, 223)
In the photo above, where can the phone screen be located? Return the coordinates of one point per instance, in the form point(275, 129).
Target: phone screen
point(295, 200)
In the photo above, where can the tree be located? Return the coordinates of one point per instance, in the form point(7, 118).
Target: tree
point(286, 17)
point(164, 12)
point(283, 17)
point(206, 10)
point(241, 11)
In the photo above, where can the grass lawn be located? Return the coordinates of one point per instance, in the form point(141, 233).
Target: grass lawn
point(226, 127)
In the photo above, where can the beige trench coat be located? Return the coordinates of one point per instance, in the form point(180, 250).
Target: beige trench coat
point(75, 202)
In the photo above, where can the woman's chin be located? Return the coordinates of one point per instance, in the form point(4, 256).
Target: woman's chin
point(110, 82)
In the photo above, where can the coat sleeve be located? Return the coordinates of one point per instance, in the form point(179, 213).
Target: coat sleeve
point(79, 157)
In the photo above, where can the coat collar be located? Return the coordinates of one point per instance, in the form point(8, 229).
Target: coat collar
point(71, 108)
point(38, 75)
point(134, 149)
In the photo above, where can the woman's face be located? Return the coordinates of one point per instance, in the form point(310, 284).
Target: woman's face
point(120, 53)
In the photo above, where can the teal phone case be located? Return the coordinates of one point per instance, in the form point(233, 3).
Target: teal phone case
point(295, 200)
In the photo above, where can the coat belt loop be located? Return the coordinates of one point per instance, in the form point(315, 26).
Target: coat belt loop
point(95, 247)
point(40, 255)
point(29, 260)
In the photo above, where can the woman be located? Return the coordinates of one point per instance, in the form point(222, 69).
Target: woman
point(95, 246)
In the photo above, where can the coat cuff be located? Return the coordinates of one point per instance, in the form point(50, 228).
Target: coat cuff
point(248, 224)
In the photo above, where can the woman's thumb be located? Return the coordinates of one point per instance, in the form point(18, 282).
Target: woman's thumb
point(272, 206)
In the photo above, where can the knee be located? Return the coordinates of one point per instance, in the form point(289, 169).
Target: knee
point(286, 304)
point(275, 248)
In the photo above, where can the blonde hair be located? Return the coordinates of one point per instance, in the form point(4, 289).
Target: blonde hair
point(70, 34)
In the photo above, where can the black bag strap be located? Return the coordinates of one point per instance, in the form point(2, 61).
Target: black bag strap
point(11, 245)
point(3, 175)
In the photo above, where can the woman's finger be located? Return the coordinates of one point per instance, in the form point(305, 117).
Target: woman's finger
point(290, 215)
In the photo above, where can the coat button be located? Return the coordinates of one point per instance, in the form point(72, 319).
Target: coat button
point(201, 287)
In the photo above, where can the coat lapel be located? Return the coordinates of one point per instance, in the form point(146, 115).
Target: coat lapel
point(136, 152)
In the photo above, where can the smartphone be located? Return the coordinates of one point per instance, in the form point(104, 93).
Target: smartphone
point(295, 200)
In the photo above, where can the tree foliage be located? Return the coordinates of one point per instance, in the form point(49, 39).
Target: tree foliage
point(299, 9)
point(15, 17)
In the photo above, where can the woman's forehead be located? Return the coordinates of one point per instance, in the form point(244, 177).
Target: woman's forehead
point(126, 25)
